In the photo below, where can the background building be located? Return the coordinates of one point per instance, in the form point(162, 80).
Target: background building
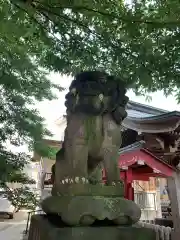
point(160, 131)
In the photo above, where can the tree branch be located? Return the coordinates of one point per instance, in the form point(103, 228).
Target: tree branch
point(31, 17)
point(111, 15)
point(69, 19)
point(133, 19)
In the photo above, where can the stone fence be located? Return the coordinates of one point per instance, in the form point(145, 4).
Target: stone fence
point(162, 233)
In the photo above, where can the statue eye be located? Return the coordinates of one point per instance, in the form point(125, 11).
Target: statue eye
point(73, 90)
point(101, 96)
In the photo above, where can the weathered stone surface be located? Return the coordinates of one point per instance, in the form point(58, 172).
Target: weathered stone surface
point(85, 210)
point(42, 229)
point(95, 110)
point(88, 141)
point(80, 189)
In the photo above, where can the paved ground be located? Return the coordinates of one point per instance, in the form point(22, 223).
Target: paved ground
point(20, 216)
point(13, 229)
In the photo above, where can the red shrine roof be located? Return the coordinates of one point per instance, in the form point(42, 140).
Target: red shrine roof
point(141, 161)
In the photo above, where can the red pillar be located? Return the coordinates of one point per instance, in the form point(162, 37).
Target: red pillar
point(127, 176)
point(129, 190)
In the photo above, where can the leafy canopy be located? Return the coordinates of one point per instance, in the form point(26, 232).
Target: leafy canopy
point(22, 84)
point(139, 42)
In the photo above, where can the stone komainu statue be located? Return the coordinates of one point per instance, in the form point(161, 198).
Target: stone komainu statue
point(95, 109)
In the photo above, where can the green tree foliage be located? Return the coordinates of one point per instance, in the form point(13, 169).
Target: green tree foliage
point(22, 84)
point(139, 41)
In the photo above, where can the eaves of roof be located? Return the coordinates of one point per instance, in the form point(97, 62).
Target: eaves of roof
point(160, 117)
point(132, 147)
point(145, 108)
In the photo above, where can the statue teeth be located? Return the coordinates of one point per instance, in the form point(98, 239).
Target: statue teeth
point(71, 180)
point(63, 182)
point(77, 179)
point(83, 180)
point(87, 181)
point(73, 90)
point(101, 96)
point(66, 180)
point(113, 183)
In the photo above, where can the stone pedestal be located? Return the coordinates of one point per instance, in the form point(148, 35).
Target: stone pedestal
point(42, 229)
point(83, 204)
point(85, 210)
